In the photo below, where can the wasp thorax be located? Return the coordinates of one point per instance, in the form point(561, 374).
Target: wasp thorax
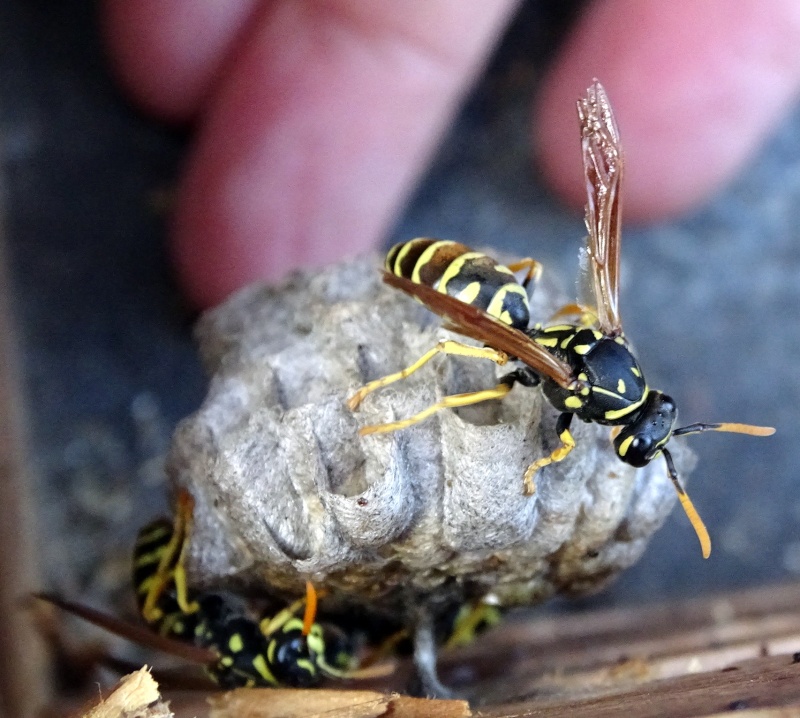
point(641, 440)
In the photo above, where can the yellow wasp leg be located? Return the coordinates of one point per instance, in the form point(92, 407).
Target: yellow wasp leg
point(587, 316)
point(171, 565)
point(559, 454)
point(386, 648)
point(449, 402)
point(534, 270)
point(445, 347)
point(466, 626)
point(268, 626)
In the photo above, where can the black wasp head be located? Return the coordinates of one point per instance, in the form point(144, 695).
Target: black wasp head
point(297, 657)
point(640, 441)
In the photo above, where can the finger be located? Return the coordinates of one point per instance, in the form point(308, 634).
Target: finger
point(315, 138)
point(696, 87)
point(168, 52)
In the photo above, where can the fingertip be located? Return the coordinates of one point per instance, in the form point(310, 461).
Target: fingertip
point(695, 89)
point(314, 140)
point(167, 53)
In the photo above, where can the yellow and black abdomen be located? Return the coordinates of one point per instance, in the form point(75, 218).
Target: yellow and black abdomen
point(151, 546)
point(166, 616)
point(471, 277)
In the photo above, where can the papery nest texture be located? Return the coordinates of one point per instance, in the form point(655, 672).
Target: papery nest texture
point(287, 491)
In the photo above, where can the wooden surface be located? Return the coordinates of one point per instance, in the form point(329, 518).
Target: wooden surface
point(23, 680)
point(705, 657)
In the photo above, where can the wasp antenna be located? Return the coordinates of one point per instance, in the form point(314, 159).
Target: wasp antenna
point(688, 507)
point(311, 608)
point(729, 427)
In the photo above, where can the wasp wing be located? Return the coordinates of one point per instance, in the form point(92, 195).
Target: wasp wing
point(476, 324)
point(131, 632)
point(603, 165)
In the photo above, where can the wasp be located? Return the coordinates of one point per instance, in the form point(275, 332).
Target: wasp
point(586, 368)
point(214, 630)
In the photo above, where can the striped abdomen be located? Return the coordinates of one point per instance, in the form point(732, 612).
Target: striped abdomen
point(472, 277)
point(168, 619)
point(151, 545)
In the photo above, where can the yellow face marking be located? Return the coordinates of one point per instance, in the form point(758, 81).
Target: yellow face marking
point(263, 670)
point(635, 371)
point(424, 258)
point(585, 391)
point(546, 341)
point(566, 342)
point(619, 340)
point(495, 308)
point(453, 269)
point(573, 402)
point(316, 644)
point(503, 268)
point(621, 386)
point(581, 348)
point(226, 661)
point(597, 335)
point(663, 441)
point(307, 666)
point(235, 643)
point(624, 446)
point(583, 377)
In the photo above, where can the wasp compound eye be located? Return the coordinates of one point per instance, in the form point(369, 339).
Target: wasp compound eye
point(633, 448)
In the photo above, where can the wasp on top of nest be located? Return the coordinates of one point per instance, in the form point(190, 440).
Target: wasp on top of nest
point(586, 367)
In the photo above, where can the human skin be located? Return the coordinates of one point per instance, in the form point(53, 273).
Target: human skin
point(314, 119)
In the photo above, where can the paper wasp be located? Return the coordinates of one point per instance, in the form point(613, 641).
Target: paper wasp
point(586, 368)
point(212, 628)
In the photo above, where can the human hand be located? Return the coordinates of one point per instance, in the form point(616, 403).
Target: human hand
point(315, 118)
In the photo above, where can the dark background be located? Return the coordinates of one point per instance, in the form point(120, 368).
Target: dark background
point(711, 301)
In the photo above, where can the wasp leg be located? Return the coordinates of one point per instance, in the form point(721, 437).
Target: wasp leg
point(386, 648)
point(445, 347)
point(567, 445)
point(534, 270)
point(449, 402)
point(425, 653)
point(477, 616)
point(179, 575)
point(171, 565)
point(269, 625)
point(587, 316)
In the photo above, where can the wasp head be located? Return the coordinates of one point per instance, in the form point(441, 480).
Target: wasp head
point(642, 439)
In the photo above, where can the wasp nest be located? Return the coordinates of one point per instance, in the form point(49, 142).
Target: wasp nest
point(287, 490)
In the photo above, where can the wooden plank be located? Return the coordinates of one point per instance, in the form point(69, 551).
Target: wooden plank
point(23, 680)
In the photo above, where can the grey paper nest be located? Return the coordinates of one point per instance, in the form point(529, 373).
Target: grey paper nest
point(287, 490)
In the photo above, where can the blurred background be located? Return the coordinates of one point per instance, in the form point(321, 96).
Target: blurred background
point(107, 363)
